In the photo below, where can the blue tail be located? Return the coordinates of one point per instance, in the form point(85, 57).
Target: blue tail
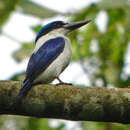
point(25, 88)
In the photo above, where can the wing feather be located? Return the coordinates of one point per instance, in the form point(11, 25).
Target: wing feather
point(45, 55)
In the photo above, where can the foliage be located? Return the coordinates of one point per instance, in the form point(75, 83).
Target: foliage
point(112, 45)
point(40, 124)
point(23, 6)
point(6, 7)
point(24, 52)
point(36, 10)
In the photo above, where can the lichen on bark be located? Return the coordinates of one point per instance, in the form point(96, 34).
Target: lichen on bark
point(67, 102)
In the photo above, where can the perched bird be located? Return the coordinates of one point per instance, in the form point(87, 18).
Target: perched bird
point(51, 55)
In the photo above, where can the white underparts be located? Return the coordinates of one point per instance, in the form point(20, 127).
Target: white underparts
point(59, 64)
point(53, 34)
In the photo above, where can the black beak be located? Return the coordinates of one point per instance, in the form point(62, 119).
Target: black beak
point(73, 26)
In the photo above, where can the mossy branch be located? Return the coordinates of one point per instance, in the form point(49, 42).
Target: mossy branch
point(67, 102)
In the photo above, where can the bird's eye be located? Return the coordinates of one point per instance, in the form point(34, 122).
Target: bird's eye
point(58, 24)
point(55, 24)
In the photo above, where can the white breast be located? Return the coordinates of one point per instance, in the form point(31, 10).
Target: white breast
point(58, 65)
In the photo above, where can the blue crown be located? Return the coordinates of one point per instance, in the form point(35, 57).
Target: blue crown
point(49, 27)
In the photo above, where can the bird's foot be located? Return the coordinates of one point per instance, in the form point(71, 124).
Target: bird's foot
point(62, 83)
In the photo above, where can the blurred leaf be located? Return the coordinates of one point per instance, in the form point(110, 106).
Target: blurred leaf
point(6, 7)
point(89, 12)
point(18, 76)
point(127, 22)
point(12, 122)
point(27, 48)
point(31, 8)
point(105, 4)
point(104, 126)
point(23, 6)
point(112, 43)
point(81, 39)
point(40, 124)
point(36, 28)
point(24, 52)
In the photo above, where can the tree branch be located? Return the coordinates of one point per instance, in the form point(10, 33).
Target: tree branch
point(67, 102)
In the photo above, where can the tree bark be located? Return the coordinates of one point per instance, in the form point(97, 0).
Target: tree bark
point(67, 102)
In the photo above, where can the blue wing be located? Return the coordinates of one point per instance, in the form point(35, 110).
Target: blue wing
point(41, 59)
point(45, 55)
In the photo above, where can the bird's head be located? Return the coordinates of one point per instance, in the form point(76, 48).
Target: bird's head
point(60, 27)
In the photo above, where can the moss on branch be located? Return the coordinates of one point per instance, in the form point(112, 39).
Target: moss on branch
point(67, 102)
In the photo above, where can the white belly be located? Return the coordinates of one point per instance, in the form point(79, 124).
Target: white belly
point(57, 66)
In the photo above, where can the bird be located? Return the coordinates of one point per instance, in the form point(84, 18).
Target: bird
point(51, 55)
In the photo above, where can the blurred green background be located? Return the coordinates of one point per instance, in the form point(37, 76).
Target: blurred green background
point(103, 53)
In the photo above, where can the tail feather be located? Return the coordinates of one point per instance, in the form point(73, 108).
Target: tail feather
point(25, 88)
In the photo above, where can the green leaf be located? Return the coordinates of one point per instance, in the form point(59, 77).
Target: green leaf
point(41, 124)
point(6, 7)
point(112, 44)
point(31, 8)
point(18, 76)
point(24, 52)
point(108, 4)
point(36, 28)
